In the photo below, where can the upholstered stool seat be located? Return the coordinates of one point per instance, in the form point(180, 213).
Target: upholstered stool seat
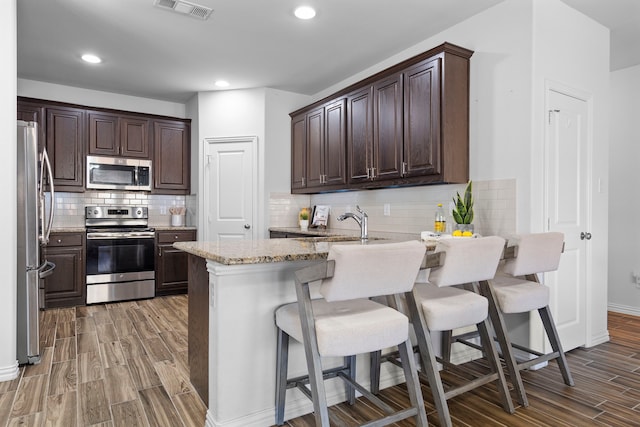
point(351, 327)
point(515, 295)
point(450, 308)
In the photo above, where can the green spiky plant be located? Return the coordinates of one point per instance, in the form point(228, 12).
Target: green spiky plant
point(463, 211)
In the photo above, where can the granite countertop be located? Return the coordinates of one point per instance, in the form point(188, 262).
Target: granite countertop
point(280, 250)
point(172, 228)
point(68, 230)
point(82, 229)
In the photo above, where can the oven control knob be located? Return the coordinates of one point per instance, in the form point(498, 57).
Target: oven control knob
point(95, 212)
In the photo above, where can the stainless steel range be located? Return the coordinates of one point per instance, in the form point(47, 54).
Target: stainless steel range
point(120, 254)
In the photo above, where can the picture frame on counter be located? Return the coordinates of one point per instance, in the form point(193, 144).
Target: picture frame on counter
point(320, 217)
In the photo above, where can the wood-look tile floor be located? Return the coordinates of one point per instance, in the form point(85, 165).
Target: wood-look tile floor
point(125, 364)
point(120, 364)
point(606, 392)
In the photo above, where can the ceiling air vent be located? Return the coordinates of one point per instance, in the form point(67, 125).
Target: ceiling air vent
point(185, 8)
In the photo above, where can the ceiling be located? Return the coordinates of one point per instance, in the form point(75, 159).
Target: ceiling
point(150, 52)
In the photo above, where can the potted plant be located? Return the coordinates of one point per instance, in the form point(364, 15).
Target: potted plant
point(304, 219)
point(463, 212)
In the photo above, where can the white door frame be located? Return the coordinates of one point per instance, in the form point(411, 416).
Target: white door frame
point(203, 223)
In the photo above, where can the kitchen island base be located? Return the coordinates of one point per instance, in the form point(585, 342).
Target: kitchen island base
point(241, 350)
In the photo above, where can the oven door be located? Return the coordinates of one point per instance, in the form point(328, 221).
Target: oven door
point(120, 266)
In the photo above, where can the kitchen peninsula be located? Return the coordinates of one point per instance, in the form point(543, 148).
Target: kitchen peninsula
point(234, 290)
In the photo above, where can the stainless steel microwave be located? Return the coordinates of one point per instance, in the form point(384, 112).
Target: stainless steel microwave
point(116, 173)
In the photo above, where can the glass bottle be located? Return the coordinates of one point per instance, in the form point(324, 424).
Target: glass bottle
point(440, 224)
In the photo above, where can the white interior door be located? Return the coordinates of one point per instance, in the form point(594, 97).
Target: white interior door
point(567, 208)
point(230, 188)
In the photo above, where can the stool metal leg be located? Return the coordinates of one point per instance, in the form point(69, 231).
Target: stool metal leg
point(500, 329)
point(496, 366)
point(413, 382)
point(350, 361)
point(374, 370)
point(428, 359)
point(552, 334)
point(282, 359)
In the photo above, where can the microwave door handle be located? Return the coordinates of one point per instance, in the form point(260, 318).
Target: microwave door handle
point(44, 238)
point(135, 176)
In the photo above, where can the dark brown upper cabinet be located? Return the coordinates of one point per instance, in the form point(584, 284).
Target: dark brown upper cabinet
point(171, 160)
point(65, 140)
point(118, 135)
point(70, 131)
point(407, 125)
point(318, 155)
point(33, 112)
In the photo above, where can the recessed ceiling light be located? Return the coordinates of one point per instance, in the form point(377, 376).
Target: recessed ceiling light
point(92, 59)
point(222, 83)
point(305, 12)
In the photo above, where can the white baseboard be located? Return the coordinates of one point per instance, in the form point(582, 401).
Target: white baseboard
point(8, 373)
point(624, 309)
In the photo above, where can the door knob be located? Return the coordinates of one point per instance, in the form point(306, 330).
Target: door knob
point(584, 236)
point(247, 226)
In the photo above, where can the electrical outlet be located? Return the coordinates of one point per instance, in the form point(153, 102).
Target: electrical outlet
point(387, 209)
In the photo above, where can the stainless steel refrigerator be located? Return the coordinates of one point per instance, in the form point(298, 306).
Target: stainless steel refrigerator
point(34, 225)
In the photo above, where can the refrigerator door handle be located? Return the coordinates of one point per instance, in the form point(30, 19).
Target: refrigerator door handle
point(44, 237)
point(46, 269)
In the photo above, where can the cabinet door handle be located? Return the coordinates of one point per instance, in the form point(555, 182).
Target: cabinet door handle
point(303, 184)
point(373, 173)
point(404, 168)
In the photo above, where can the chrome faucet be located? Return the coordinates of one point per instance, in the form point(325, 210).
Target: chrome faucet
point(362, 220)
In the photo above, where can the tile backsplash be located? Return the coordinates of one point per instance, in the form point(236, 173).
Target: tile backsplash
point(410, 209)
point(69, 209)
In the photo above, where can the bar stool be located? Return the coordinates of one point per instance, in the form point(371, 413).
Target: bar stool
point(517, 289)
point(439, 306)
point(345, 323)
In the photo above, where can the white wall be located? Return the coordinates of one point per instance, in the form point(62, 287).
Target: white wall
point(96, 98)
point(8, 40)
point(500, 92)
point(253, 112)
point(624, 197)
point(572, 50)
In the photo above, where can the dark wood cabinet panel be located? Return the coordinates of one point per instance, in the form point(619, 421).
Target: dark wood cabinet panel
point(117, 135)
point(103, 134)
point(32, 112)
point(334, 153)
point(171, 172)
point(422, 119)
point(299, 152)
point(134, 137)
point(171, 263)
point(65, 287)
point(65, 146)
point(387, 128)
point(315, 147)
point(360, 134)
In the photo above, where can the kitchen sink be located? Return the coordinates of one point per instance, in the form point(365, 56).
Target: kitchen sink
point(333, 239)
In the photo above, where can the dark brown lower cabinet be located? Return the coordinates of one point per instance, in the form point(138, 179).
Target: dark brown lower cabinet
point(65, 287)
point(172, 264)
